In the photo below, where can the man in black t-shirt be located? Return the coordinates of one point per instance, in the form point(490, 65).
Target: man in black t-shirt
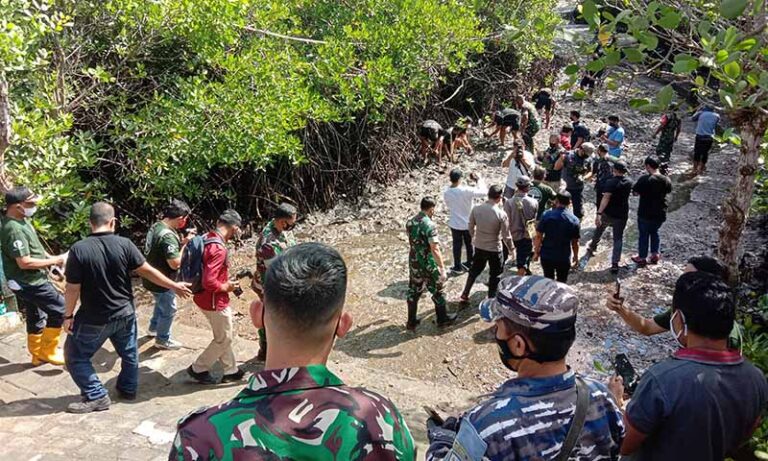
point(580, 133)
point(613, 212)
point(652, 211)
point(99, 275)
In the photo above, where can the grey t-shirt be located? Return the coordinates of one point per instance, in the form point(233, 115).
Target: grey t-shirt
point(488, 226)
point(698, 405)
point(520, 214)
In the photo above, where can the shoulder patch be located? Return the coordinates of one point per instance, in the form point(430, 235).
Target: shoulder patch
point(18, 244)
point(468, 445)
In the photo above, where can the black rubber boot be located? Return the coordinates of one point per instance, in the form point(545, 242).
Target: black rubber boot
point(413, 321)
point(443, 317)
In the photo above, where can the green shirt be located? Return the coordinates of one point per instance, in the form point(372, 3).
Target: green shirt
point(162, 244)
point(544, 194)
point(18, 239)
point(300, 414)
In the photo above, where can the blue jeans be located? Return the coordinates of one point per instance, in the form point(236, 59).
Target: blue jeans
point(162, 316)
point(87, 339)
point(44, 306)
point(649, 231)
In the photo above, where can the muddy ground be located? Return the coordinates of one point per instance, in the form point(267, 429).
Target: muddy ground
point(369, 232)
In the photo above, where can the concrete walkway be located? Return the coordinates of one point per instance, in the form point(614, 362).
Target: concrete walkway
point(34, 425)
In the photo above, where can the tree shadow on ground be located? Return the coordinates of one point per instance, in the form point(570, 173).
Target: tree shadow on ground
point(364, 340)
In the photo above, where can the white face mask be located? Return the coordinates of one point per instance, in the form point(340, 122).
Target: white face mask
point(28, 212)
point(677, 335)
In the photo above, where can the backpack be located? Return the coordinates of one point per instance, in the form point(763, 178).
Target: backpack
point(530, 224)
point(152, 238)
point(191, 269)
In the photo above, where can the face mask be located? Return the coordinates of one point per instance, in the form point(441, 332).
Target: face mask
point(505, 354)
point(289, 227)
point(678, 334)
point(28, 212)
point(183, 223)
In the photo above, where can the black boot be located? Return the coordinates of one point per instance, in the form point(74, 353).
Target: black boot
point(443, 317)
point(413, 321)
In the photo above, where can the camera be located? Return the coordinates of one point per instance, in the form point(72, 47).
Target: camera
point(238, 292)
point(664, 168)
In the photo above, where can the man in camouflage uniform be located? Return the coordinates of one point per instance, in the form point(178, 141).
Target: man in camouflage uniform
point(528, 417)
point(529, 121)
point(425, 265)
point(669, 128)
point(274, 239)
point(297, 409)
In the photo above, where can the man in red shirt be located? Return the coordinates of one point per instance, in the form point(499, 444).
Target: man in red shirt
point(214, 303)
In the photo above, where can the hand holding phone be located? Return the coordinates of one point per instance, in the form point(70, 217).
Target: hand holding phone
point(627, 373)
point(617, 293)
point(434, 415)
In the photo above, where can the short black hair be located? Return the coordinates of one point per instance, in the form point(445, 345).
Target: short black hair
point(455, 175)
point(602, 148)
point(566, 129)
point(539, 173)
point(613, 118)
point(652, 161)
point(563, 197)
point(707, 302)
point(547, 347)
point(305, 287)
point(710, 265)
point(176, 209)
point(285, 211)
point(575, 113)
point(494, 192)
point(101, 213)
point(427, 203)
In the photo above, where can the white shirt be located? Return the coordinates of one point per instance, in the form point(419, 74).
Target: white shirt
point(459, 202)
point(515, 171)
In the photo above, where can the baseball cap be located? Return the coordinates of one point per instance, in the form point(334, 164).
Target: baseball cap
point(535, 302)
point(231, 217)
point(619, 165)
point(588, 147)
point(20, 195)
point(523, 181)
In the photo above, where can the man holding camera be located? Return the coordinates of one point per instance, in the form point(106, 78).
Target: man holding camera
point(213, 301)
point(576, 166)
point(163, 250)
point(520, 163)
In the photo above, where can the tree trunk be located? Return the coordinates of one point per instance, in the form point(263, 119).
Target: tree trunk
point(5, 133)
point(737, 203)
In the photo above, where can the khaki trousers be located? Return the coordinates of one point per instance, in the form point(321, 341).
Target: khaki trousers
point(220, 349)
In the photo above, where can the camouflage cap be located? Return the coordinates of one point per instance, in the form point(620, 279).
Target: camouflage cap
point(535, 302)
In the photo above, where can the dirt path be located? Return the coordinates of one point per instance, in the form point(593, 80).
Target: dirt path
point(370, 236)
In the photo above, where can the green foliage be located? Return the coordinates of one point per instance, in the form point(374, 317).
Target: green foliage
point(755, 348)
point(143, 100)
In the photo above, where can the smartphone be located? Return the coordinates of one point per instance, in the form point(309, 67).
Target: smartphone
point(238, 292)
point(617, 293)
point(626, 371)
point(434, 415)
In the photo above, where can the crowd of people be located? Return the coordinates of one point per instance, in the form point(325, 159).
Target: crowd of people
point(704, 402)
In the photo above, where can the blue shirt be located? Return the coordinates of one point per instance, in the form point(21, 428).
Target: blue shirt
point(615, 134)
point(559, 227)
point(698, 405)
point(707, 121)
point(528, 419)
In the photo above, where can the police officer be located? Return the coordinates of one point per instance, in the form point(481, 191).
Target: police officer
point(296, 408)
point(529, 416)
point(275, 238)
point(425, 265)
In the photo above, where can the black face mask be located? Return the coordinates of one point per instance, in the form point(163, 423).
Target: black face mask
point(505, 354)
point(289, 227)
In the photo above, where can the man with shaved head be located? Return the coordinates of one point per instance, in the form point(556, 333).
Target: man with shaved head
point(99, 276)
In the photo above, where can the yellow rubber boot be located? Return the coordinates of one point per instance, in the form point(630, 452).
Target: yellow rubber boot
point(33, 344)
point(49, 351)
